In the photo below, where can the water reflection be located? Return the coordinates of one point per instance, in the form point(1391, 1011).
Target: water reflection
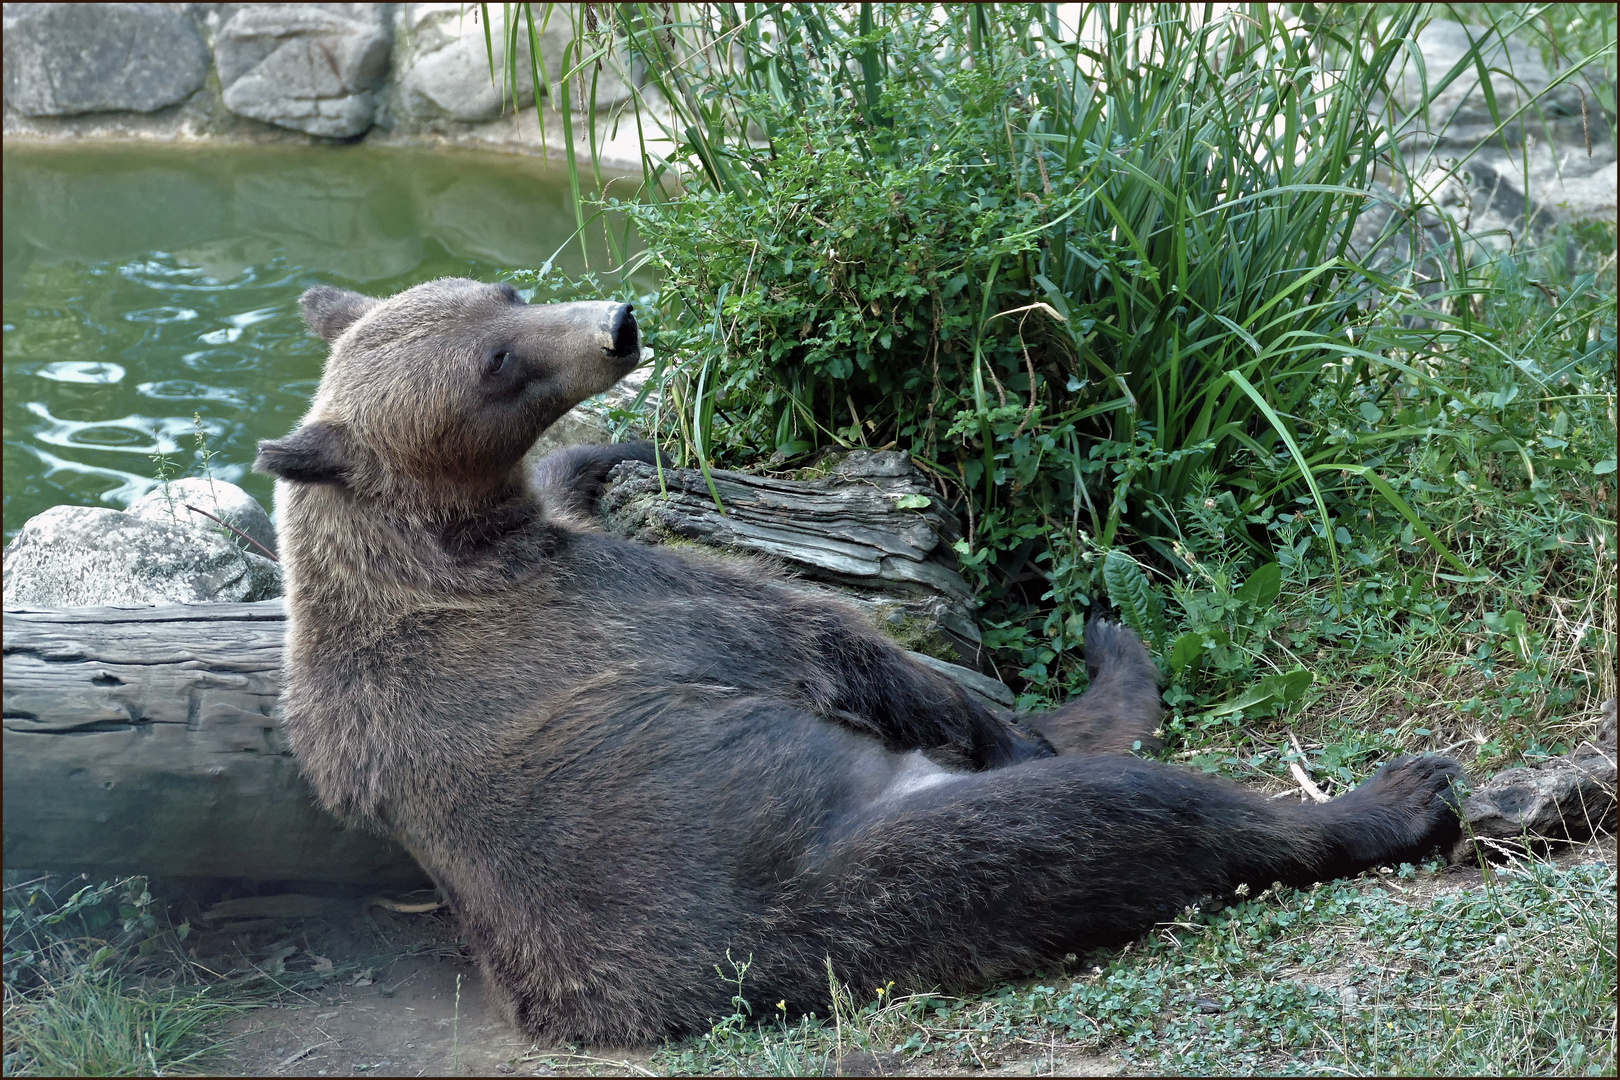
point(357, 213)
point(144, 286)
point(81, 371)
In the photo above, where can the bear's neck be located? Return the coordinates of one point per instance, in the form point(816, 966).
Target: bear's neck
point(372, 561)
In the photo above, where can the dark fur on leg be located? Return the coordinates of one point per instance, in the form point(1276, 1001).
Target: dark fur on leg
point(861, 681)
point(1378, 822)
point(570, 480)
point(960, 885)
point(1089, 850)
point(1120, 709)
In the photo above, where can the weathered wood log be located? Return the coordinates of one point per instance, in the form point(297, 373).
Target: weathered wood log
point(146, 740)
point(1569, 797)
point(143, 740)
point(875, 528)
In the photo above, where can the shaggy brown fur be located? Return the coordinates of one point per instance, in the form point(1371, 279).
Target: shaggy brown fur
point(622, 764)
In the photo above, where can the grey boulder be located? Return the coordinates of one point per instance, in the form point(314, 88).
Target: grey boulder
point(1497, 188)
point(172, 503)
point(445, 74)
point(992, 692)
point(1549, 132)
point(83, 556)
point(68, 59)
point(308, 67)
point(1459, 115)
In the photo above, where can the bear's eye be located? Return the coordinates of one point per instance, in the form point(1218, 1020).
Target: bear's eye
point(497, 362)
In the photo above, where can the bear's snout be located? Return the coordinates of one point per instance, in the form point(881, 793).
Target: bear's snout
point(624, 332)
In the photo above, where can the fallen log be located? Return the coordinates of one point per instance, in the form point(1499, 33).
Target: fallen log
point(146, 741)
point(143, 740)
point(874, 529)
point(1569, 797)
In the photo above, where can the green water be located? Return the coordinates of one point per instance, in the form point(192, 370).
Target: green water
point(145, 286)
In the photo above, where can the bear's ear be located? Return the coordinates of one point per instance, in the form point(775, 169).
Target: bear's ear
point(314, 454)
point(329, 311)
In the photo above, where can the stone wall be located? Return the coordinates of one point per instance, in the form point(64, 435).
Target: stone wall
point(415, 73)
point(396, 73)
point(1554, 145)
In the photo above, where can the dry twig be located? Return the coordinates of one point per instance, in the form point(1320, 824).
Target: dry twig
point(1305, 782)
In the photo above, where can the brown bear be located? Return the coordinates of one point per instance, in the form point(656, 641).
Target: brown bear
point(625, 765)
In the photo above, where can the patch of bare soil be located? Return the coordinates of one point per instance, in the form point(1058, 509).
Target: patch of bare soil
point(428, 1027)
point(365, 991)
point(404, 998)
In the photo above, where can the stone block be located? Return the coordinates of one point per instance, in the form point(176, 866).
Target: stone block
point(307, 67)
point(444, 68)
point(70, 59)
point(445, 72)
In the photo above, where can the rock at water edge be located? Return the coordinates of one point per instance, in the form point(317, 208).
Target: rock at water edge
point(69, 59)
point(86, 556)
point(167, 504)
point(308, 67)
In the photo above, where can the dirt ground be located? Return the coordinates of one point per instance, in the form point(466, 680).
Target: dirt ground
point(401, 997)
point(426, 1026)
point(405, 999)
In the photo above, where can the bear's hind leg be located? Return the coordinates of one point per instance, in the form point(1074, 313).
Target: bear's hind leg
point(991, 874)
point(1120, 711)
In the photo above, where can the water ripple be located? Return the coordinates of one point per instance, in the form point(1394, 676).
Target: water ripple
point(187, 390)
point(161, 315)
point(81, 371)
point(140, 434)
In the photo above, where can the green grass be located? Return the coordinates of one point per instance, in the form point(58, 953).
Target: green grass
point(96, 985)
point(1511, 975)
point(102, 1027)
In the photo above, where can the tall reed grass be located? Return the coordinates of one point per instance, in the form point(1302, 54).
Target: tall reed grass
point(1087, 272)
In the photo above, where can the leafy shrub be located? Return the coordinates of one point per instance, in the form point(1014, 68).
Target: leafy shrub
point(1104, 290)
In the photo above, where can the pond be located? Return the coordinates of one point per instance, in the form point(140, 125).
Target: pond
point(152, 291)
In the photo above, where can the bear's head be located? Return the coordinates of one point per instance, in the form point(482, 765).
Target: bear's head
point(435, 394)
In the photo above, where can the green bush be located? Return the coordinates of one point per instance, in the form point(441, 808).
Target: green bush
point(1103, 290)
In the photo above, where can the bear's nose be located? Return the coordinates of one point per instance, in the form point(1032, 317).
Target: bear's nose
point(622, 328)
